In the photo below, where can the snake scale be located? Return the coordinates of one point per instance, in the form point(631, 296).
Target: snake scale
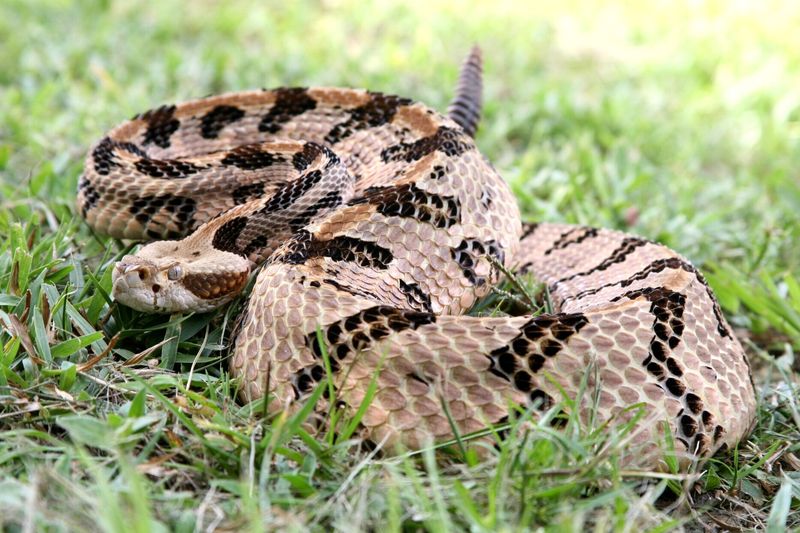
point(379, 224)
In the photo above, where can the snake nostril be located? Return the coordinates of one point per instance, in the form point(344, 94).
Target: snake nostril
point(156, 288)
point(142, 275)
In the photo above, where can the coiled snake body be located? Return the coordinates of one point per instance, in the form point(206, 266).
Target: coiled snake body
point(381, 224)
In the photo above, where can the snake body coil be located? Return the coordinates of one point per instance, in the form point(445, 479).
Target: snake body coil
point(381, 224)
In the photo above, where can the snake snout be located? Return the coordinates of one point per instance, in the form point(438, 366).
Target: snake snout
point(134, 279)
point(140, 284)
point(134, 272)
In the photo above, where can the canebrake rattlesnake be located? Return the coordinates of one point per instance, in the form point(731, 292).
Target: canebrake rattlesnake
point(381, 224)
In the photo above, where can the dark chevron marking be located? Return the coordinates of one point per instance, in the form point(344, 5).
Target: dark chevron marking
point(302, 159)
point(352, 334)
point(104, 154)
point(216, 119)
point(409, 201)
point(380, 110)
point(246, 193)
point(668, 307)
point(626, 248)
point(258, 243)
point(541, 337)
point(355, 291)
point(469, 252)
point(303, 246)
point(656, 266)
point(226, 236)
point(365, 253)
point(288, 194)
point(161, 124)
point(567, 239)
point(289, 103)
point(181, 208)
point(167, 168)
point(446, 140)
point(326, 203)
point(417, 298)
point(251, 157)
point(90, 195)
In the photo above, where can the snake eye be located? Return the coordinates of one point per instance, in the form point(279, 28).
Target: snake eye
point(174, 272)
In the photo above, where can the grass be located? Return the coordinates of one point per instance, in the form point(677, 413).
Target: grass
point(677, 121)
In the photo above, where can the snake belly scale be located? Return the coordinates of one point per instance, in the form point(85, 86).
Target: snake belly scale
point(380, 224)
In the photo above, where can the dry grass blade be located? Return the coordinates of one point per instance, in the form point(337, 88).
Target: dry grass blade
point(83, 367)
point(144, 353)
point(20, 331)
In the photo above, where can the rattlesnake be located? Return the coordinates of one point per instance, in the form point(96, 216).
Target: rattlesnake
point(381, 224)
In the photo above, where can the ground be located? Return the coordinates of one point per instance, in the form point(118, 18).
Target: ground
point(678, 121)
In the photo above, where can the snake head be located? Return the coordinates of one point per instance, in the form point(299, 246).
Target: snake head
point(163, 278)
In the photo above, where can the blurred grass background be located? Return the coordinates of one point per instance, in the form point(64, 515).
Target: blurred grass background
point(677, 120)
point(590, 110)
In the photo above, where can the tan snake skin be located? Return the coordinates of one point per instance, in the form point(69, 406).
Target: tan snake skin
point(377, 217)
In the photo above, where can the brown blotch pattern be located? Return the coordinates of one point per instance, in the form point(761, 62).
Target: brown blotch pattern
point(214, 285)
